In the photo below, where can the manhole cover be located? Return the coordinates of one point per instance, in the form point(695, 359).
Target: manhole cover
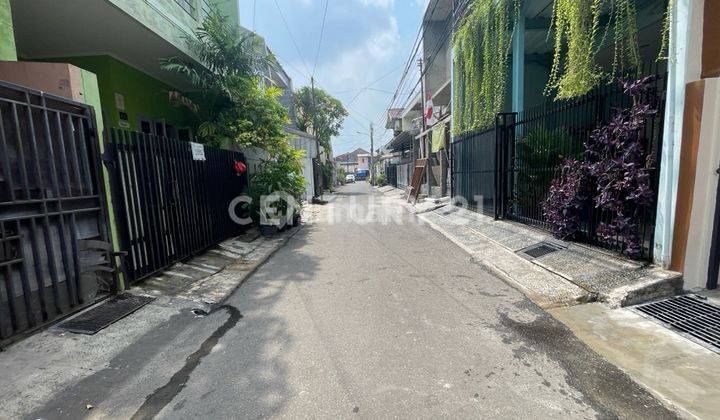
point(540, 250)
point(690, 315)
point(106, 314)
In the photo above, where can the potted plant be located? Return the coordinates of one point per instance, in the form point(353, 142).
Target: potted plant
point(277, 189)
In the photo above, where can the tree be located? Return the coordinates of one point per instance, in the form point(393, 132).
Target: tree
point(231, 105)
point(325, 111)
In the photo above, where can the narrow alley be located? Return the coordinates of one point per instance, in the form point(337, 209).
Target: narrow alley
point(354, 319)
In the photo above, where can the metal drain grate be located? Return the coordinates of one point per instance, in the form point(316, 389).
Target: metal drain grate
point(106, 314)
point(540, 250)
point(690, 315)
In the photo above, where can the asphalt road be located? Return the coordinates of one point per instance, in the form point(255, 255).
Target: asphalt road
point(368, 317)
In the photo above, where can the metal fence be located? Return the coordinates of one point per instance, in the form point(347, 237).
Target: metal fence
point(392, 174)
point(474, 172)
point(52, 199)
point(505, 171)
point(170, 206)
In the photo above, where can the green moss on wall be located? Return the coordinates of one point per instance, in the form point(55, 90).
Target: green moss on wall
point(91, 94)
point(7, 35)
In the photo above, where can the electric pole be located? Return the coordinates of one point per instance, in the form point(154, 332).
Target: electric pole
point(319, 179)
point(372, 152)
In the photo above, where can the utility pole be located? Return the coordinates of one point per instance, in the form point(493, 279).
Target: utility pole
point(317, 139)
point(423, 125)
point(372, 152)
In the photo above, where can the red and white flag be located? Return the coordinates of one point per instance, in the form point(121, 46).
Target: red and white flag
point(429, 111)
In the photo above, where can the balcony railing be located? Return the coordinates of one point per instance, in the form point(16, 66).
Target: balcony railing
point(205, 9)
point(188, 6)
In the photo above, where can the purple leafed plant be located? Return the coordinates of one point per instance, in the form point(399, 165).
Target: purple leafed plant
point(566, 201)
point(618, 166)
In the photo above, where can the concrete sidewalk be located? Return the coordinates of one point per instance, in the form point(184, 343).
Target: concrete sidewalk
point(678, 371)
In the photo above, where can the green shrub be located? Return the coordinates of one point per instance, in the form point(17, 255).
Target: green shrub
point(381, 180)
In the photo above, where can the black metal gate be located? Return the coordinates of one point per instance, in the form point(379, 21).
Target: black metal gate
point(474, 170)
point(52, 199)
point(169, 205)
point(392, 177)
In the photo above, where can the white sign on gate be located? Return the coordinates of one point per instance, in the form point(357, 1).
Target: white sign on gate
point(198, 151)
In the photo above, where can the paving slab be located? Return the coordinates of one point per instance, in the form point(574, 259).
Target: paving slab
point(210, 278)
point(386, 188)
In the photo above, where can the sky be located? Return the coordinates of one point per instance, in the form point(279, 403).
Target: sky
point(364, 48)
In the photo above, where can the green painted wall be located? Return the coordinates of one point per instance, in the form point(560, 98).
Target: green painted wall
point(91, 93)
point(7, 36)
point(144, 96)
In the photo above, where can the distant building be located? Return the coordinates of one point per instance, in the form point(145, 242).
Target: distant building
point(350, 162)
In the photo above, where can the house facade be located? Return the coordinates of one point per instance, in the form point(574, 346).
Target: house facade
point(350, 162)
point(120, 42)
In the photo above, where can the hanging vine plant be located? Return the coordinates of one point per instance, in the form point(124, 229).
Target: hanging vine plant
point(664, 53)
point(574, 71)
point(623, 23)
point(482, 46)
point(575, 25)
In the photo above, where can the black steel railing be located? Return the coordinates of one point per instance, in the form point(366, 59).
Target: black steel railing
point(170, 206)
point(474, 171)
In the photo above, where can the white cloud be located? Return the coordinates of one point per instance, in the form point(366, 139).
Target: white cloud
point(385, 4)
point(355, 66)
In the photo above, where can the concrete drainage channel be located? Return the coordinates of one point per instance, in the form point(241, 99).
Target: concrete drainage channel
point(540, 250)
point(692, 316)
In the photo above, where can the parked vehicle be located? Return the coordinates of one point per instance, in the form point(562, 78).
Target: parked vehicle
point(349, 178)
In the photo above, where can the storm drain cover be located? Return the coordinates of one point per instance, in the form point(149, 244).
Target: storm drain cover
point(690, 315)
point(105, 314)
point(540, 250)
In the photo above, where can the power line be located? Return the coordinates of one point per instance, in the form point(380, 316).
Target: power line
point(451, 25)
point(366, 87)
point(302, 73)
point(292, 38)
point(413, 53)
point(322, 31)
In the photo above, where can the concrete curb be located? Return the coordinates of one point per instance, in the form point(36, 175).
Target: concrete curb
point(533, 282)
